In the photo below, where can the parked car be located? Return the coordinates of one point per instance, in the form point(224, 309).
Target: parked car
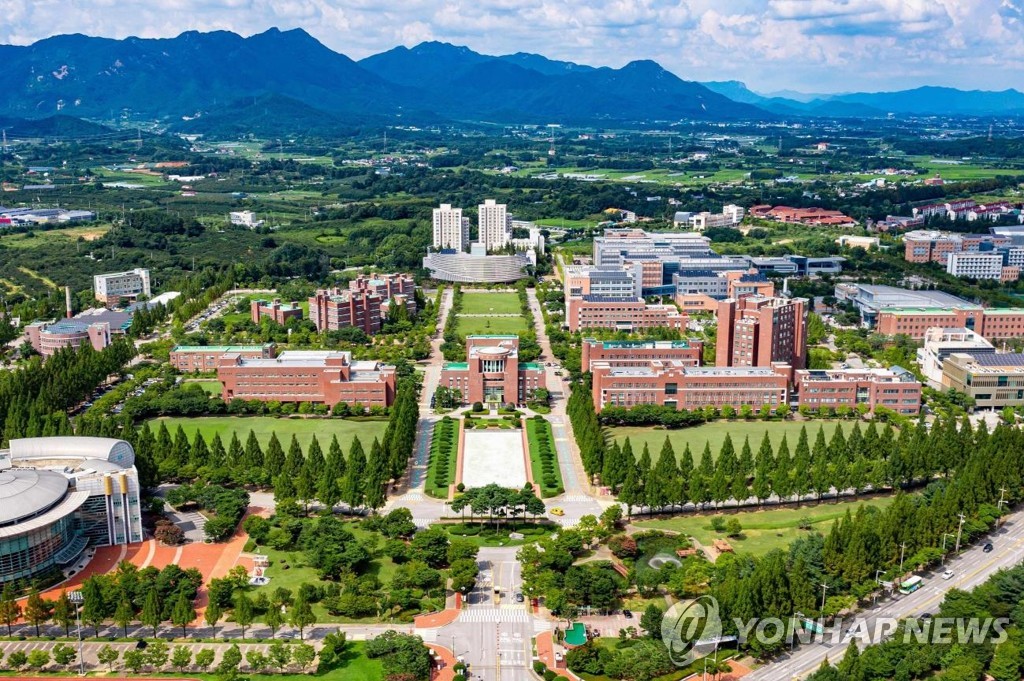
point(628, 614)
point(948, 574)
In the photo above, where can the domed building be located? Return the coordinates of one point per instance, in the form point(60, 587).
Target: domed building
point(60, 495)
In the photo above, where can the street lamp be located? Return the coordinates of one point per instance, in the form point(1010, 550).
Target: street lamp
point(77, 597)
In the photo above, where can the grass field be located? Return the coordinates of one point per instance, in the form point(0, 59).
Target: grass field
point(763, 531)
point(490, 303)
point(211, 386)
point(56, 236)
point(357, 667)
point(469, 326)
point(263, 426)
point(714, 434)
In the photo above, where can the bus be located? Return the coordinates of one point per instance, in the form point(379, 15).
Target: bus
point(911, 585)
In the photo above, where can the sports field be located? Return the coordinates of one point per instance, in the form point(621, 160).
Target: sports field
point(490, 303)
point(714, 434)
point(763, 531)
point(469, 326)
point(263, 426)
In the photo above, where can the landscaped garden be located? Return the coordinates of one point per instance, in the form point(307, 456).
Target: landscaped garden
point(444, 455)
point(264, 426)
point(543, 457)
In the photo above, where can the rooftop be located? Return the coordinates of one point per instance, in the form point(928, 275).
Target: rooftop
point(641, 344)
point(217, 348)
point(25, 492)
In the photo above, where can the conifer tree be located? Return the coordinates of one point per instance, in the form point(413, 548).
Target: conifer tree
point(295, 460)
point(781, 481)
point(764, 468)
point(352, 485)
point(315, 458)
point(274, 456)
point(686, 474)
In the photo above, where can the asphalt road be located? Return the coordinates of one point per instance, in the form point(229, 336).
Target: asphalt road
point(970, 569)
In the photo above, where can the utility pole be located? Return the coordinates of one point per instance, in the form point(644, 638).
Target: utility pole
point(999, 506)
point(903, 548)
point(944, 535)
point(959, 531)
point(824, 590)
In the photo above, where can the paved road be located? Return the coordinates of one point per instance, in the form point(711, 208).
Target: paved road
point(971, 568)
point(494, 637)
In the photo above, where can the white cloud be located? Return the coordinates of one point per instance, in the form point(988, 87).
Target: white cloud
point(819, 45)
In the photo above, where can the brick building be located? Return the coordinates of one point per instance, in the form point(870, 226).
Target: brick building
point(758, 331)
point(929, 245)
point(387, 286)
point(192, 358)
point(364, 305)
point(991, 323)
point(896, 389)
point(620, 314)
point(96, 326)
point(672, 383)
point(275, 310)
point(492, 372)
point(639, 353)
point(318, 377)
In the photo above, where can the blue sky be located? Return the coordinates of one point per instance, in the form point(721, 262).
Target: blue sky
point(807, 45)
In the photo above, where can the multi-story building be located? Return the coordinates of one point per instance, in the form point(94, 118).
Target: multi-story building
point(62, 495)
point(620, 313)
point(245, 218)
point(275, 310)
point(587, 280)
point(492, 372)
point(929, 245)
point(96, 327)
point(193, 358)
point(334, 309)
point(759, 331)
point(476, 267)
point(451, 230)
point(317, 377)
point(672, 383)
point(991, 323)
point(386, 286)
point(872, 300)
point(619, 246)
point(730, 216)
point(701, 290)
point(115, 287)
point(940, 343)
point(640, 353)
point(494, 225)
point(894, 389)
point(987, 265)
point(993, 380)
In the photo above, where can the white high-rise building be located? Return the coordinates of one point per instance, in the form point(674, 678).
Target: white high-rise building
point(111, 288)
point(494, 224)
point(451, 230)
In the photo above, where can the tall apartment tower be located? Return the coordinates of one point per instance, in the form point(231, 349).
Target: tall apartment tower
point(495, 226)
point(755, 331)
point(451, 230)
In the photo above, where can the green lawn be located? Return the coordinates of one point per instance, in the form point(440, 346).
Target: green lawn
point(211, 386)
point(55, 237)
point(357, 667)
point(480, 326)
point(490, 303)
point(714, 434)
point(533, 427)
point(763, 531)
point(263, 426)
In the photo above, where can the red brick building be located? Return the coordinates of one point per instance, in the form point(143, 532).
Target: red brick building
point(492, 372)
point(275, 310)
point(639, 353)
point(928, 245)
point(620, 314)
point(757, 331)
point(318, 377)
point(991, 323)
point(364, 305)
point(894, 389)
point(192, 358)
point(674, 384)
point(385, 285)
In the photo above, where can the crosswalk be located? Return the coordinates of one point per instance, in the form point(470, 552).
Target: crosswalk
point(514, 614)
point(574, 497)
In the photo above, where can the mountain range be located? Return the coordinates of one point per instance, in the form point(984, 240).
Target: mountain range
point(287, 79)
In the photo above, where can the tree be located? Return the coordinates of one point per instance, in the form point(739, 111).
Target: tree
point(229, 661)
point(37, 659)
point(303, 655)
point(243, 612)
point(273, 619)
point(64, 655)
point(352, 485)
point(650, 621)
point(257, 660)
point(124, 614)
point(134, 660)
point(181, 657)
point(204, 658)
point(280, 654)
point(212, 616)
point(733, 527)
point(64, 612)
point(108, 655)
point(301, 614)
point(157, 654)
point(151, 613)
point(1007, 661)
point(10, 611)
point(17, 659)
point(183, 613)
point(37, 611)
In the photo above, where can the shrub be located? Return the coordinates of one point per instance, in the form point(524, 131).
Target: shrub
point(539, 667)
point(550, 675)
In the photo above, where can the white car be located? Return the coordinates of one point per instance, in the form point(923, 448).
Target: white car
point(948, 574)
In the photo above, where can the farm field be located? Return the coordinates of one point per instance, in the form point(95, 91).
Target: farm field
point(767, 530)
point(490, 303)
point(55, 236)
point(714, 434)
point(264, 426)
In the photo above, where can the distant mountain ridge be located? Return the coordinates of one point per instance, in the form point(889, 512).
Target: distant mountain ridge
point(290, 76)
